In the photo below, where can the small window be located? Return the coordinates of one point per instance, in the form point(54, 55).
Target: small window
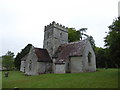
point(30, 65)
point(89, 58)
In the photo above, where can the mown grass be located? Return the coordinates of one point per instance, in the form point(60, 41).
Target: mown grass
point(0, 80)
point(103, 78)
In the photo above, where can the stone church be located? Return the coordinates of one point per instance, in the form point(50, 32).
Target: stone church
point(57, 55)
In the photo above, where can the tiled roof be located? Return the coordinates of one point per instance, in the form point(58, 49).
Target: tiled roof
point(67, 50)
point(42, 55)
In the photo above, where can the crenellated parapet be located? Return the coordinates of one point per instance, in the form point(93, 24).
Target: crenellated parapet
point(56, 25)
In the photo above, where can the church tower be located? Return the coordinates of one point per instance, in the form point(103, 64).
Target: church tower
point(54, 35)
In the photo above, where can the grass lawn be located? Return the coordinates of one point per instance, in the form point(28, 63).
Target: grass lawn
point(102, 78)
point(0, 80)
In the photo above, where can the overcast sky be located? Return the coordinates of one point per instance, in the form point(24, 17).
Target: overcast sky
point(23, 21)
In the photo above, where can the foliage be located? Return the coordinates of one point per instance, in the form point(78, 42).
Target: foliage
point(101, 58)
point(76, 35)
point(112, 42)
point(20, 55)
point(81, 31)
point(9, 53)
point(102, 78)
point(8, 60)
point(109, 57)
point(73, 35)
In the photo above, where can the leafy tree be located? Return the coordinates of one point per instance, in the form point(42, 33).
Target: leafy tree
point(81, 31)
point(76, 35)
point(73, 35)
point(101, 60)
point(8, 60)
point(20, 55)
point(112, 42)
point(17, 61)
point(9, 53)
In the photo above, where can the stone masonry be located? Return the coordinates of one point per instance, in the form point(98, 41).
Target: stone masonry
point(54, 35)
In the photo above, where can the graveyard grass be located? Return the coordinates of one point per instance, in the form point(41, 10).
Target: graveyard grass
point(102, 78)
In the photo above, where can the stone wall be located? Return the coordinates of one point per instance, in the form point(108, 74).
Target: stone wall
point(22, 66)
point(31, 62)
point(33, 67)
point(44, 67)
point(60, 68)
point(89, 66)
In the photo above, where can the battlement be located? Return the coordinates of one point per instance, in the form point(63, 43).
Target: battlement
point(56, 25)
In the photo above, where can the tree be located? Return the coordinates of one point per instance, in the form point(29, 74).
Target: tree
point(20, 55)
point(81, 31)
point(73, 35)
point(9, 53)
point(8, 60)
point(112, 42)
point(17, 61)
point(102, 60)
point(76, 35)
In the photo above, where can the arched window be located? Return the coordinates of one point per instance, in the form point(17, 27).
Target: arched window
point(89, 58)
point(30, 65)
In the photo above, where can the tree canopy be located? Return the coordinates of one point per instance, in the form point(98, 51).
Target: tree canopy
point(112, 42)
point(20, 55)
point(73, 35)
point(76, 35)
point(8, 60)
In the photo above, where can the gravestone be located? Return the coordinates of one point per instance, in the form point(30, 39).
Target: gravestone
point(6, 74)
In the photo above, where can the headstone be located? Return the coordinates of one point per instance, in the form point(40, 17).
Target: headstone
point(6, 74)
